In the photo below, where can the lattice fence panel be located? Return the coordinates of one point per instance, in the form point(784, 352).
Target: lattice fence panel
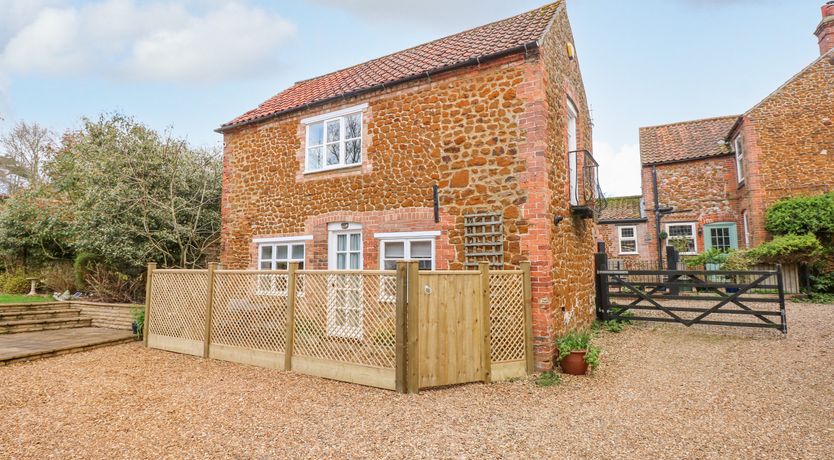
point(506, 315)
point(348, 317)
point(250, 310)
point(483, 240)
point(178, 304)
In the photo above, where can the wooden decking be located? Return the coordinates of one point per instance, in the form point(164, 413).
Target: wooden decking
point(26, 346)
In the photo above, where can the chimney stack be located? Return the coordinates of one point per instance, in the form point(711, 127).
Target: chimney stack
point(825, 31)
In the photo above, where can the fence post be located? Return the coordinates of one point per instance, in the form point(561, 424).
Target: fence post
point(212, 267)
point(781, 286)
point(672, 259)
point(401, 334)
point(600, 264)
point(413, 327)
point(146, 324)
point(486, 357)
point(527, 286)
point(289, 334)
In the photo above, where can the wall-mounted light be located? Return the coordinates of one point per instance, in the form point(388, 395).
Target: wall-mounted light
point(571, 51)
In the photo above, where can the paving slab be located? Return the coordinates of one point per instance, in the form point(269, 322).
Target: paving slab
point(26, 346)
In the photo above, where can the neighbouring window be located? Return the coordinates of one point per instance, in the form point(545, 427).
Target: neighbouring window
point(746, 229)
point(572, 160)
point(628, 239)
point(685, 233)
point(334, 140)
point(720, 238)
point(739, 147)
point(277, 256)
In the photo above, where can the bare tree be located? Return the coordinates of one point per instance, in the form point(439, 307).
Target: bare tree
point(23, 153)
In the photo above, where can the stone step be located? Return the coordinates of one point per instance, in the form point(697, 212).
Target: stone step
point(17, 307)
point(29, 325)
point(39, 314)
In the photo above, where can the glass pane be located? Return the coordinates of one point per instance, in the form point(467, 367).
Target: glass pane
point(281, 252)
point(353, 126)
point(389, 264)
point(424, 265)
point(266, 252)
point(341, 242)
point(314, 159)
point(315, 134)
point(628, 246)
point(281, 265)
point(340, 262)
point(421, 249)
point(680, 230)
point(626, 232)
point(355, 239)
point(394, 250)
point(298, 252)
point(333, 131)
point(266, 265)
point(353, 318)
point(353, 152)
point(333, 154)
point(354, 261)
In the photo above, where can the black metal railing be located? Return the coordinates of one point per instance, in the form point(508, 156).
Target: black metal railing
point(586, 197)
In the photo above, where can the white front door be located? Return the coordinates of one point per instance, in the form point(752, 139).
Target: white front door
point(345, 312)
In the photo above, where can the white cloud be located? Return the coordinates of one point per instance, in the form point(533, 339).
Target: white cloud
point(163, 40)
point(619, 168)
point(431, 12)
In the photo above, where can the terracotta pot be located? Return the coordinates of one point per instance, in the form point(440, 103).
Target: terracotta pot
point(574, 363)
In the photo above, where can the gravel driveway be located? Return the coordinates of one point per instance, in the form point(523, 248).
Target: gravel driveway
point(662, 391)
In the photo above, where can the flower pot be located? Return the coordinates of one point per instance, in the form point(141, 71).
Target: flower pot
point(574, 363)
point(135, 327)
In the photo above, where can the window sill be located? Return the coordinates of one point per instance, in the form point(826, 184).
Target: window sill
point(628, 254)
point(345, 168)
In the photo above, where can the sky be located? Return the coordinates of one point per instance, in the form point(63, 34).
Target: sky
point(191, 65)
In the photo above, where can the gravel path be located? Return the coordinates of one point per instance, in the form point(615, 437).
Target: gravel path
point(662, 391)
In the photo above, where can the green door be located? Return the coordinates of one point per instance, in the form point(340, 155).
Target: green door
point(723, 236)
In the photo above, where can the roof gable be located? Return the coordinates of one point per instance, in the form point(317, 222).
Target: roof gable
point(517, 33)
point(688, 140)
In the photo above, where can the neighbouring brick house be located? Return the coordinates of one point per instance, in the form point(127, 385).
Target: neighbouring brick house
point(622, 227)
point(715, 178)
point(396, 157)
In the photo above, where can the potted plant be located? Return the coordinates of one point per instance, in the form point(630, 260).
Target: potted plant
point(577, 353)
point(138, 320)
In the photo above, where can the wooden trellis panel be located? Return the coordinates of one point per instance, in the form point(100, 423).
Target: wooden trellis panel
point(483, 240)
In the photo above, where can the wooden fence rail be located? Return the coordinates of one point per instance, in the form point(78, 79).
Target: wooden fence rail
point(401, 330)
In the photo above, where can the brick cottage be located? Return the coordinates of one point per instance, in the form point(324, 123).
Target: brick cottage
point(709, 182)
point(397, 157)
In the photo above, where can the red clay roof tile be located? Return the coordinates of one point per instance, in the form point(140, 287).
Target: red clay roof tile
point(622, 208)
point(480, 42)
point(688, 140)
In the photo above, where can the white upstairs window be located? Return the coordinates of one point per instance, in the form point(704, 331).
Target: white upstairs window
point(572, 161)
point(334, 140)
point(627, 239)
point(739, 148)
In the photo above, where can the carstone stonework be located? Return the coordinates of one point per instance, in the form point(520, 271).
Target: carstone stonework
point(491, 136)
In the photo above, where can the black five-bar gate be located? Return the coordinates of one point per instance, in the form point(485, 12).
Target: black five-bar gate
point(722, 298)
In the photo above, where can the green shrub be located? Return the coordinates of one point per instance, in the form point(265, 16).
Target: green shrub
point(548, 379)
point(788, 249)
point(579, 341)
point(59, 277)
point(802, 215)
point(138, 314)
point(14, 282)
point(82, 265)
point(711, 256)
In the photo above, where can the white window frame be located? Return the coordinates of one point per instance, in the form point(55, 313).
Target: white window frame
point(386, 294)
point(339, 284)
point(268, 285)
point(334, 230)
point(621, 238)
point(573, 116)
point(746, 222)
point(738, 146)
point(694, 227)
point(324, 119)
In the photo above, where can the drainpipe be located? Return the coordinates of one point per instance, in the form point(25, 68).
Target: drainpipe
point(657, 219)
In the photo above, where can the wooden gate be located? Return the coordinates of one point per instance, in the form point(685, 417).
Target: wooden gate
point(452, 327)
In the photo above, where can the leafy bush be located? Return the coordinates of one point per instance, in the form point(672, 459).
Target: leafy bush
point(579, 341)
point(738, 261)
point(59, 277)
point(802, 215)
point(548, 379)
point(822, 282)
point(787, 249)
point(139, 317)
point(81, 266)
point(711, 256)
point(14, 282)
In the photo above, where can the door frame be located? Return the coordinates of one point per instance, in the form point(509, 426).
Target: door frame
point(732, 226)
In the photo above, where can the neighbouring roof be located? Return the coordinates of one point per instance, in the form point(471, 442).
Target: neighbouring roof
point(688, 140)
point(470, 47)
point(622, 208)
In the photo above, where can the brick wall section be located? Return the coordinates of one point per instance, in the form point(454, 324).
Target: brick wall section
point(493, 138)
point(790, 143)
point(607, 233)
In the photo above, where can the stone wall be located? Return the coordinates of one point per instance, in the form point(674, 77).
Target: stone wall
point(109, 315)
point(492, 138)
point(789, 141)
